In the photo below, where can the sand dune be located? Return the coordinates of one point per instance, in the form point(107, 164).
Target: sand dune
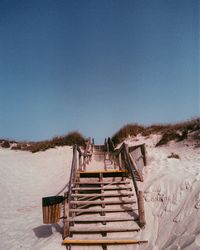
point(171, 187)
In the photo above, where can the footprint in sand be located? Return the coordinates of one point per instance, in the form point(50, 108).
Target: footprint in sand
point(26, 209)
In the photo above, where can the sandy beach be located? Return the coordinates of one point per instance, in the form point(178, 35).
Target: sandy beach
point(171, 189)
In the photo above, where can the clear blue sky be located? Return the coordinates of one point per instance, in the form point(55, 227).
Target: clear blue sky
point(95, 65)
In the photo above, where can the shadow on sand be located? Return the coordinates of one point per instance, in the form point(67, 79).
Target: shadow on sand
point(46, 231)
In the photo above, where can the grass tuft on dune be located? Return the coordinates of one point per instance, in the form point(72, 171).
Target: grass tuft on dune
point(66, 140)
point(169, 132)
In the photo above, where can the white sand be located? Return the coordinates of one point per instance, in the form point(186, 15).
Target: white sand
point(24, 179)
point(171, 186)
point(172, 194)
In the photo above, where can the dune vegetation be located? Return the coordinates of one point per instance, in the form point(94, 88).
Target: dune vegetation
point(169, 132)
point(65, 140)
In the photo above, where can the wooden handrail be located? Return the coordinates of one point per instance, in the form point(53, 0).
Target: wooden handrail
point(139, 194)
point(74, 164)
point(67, 195)
point(73, 171)
point(73, 175)
point(130, 169)
point(124, 150)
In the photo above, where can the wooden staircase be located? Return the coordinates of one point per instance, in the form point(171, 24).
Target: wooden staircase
point(103, 204)
point(101, 200)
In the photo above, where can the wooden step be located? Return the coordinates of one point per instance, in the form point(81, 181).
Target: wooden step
point(102, 182)
point(102, 218)
point(102, 195)
point(103, 202)
point(81, 230)
point(107, 241)
point(100, 188)
point(106, 210)
point(104, 172)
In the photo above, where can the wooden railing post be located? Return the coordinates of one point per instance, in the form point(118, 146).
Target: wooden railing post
point(84, 163)
point(141, 209)
point(120, 161)
point(111, 145)
point(92, 144)
point(105, 145)
point(66, 217)
point(143, 150)
point(80, 162)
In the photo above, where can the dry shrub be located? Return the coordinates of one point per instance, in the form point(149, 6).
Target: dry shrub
point(127, 130)
point(69, 140)
point(5, 144)
point(179, 131)
point(173, 155)
point(155, 129)
point(168, 136)
point(169, 132)
point(39, 146)
point(17, 147)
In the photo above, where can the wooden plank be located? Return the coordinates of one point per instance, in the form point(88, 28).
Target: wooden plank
point(100, 219)
point(58, 213)
point(103, 229)
point(102, 182)
point(49, 214)
point(109, 210)
point(103, 195)
point(103, 202)
point(107, 241)
point(104, 172)
point(101, 188)
point(45, 215)
point(53, 216)
point(139, 174)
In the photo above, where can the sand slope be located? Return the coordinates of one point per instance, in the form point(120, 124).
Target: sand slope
point(172, 194)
